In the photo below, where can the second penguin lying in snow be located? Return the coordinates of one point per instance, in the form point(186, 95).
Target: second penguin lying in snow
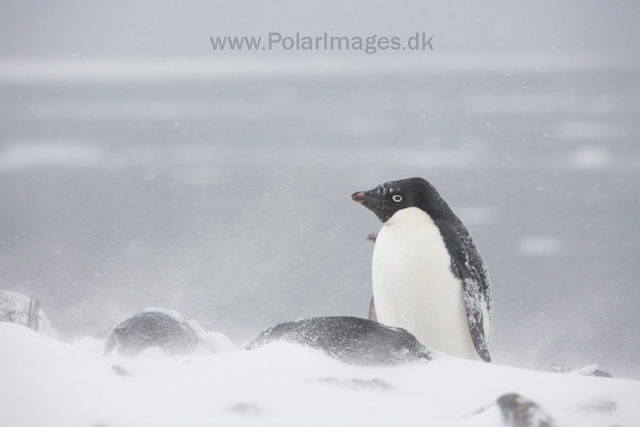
point(167, 330)
point(348, 339)
point(428, 276)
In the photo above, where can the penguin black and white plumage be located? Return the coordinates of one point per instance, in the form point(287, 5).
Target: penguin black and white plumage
point(427, 274)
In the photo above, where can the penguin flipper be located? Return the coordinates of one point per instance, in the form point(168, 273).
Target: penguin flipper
point(372, 311)
point(110, 344)
point(474, 302)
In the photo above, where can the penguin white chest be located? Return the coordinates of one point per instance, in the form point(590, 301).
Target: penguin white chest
point(413, 286)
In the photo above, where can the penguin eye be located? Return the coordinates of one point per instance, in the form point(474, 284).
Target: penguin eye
point(397, 198)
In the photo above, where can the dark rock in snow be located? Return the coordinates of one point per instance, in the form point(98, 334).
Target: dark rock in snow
point(355, 383)
point(603, 406)
point(152, 328)
point(349, 339)
point(118, 370)
point(588, 370)
point(245, 409)
point(24, 310)
point(520, 412)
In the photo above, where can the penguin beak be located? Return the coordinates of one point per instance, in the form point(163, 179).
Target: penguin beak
point(374, 201)
point(361, 197)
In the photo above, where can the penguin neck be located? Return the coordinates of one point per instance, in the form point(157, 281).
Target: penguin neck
point(409, 218)
point(406, 228)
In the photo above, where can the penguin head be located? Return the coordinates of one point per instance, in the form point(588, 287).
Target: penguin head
point(388, 198)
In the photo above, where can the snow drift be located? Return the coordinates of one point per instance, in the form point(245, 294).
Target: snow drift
point(49, 383)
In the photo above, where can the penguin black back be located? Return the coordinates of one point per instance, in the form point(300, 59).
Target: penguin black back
point(349, 339)
point(151, 329)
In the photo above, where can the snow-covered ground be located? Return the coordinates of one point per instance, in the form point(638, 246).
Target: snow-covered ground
point(44, 382)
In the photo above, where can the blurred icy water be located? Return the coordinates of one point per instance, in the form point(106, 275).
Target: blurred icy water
point(227, 198)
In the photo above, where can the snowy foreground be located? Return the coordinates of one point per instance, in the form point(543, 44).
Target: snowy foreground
point(44, 382)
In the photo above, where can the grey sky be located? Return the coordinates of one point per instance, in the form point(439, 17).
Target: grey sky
point(145, 28)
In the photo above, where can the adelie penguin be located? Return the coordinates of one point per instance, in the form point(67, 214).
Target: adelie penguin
point(428, 276)
point(349, 339)
point(153, 327)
